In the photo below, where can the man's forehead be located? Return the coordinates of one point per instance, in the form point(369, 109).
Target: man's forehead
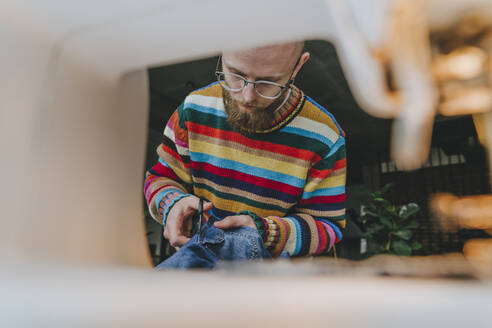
point(267, 61)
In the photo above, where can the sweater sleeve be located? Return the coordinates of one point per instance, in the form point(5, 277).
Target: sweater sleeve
point(317, 222)
point(170, 178)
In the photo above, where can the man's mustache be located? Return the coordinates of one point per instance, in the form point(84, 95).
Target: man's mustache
point(252, 104)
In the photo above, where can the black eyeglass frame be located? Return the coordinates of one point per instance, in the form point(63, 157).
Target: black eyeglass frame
point(218, 73)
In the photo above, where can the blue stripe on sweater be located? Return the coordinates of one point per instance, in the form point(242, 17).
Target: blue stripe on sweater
point(252, 170)
point(163, 163)
point(335, 228)
point(298, 235)
point(333, 191)
point(206, 110)
point(307, 134)
point(340, 142)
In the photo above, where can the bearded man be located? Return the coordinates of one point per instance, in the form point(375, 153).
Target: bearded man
point(257, 158)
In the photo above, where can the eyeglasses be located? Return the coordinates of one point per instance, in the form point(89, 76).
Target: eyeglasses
point(235, 82)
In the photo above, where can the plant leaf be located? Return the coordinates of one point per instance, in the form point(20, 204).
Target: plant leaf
point(374, 228)
point(416, 245)
point(386, 188)
point(371, 213)
point(403, 234)
point(412, 225)
point(400, 247)
point(408, 210)
point(386, 222)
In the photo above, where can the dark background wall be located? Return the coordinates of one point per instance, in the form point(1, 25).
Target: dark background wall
point(367, 143)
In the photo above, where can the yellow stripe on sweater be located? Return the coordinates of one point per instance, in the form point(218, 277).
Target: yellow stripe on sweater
point(183, 175)
point(323, 214)
point(290, 245)
point(248, 159)
point(310, 111)
point(330, 182)
point(234, 206)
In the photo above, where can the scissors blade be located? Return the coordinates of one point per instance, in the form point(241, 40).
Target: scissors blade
point(200, 215)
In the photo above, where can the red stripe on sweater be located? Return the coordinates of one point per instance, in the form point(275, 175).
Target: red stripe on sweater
point(251, 179)
point(321, 174)
point(155, 192)
point(323, 237)
point(323, 200)
point(262, 145)
point(164, 171)
point(340, 164)
point(174, 154)
point(324, 173)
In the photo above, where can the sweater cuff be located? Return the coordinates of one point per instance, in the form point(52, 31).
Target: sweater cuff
point(272, 232)
point(259, 222)
point(166, 200)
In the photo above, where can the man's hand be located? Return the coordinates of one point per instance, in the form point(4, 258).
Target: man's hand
point(235, 221)
point(179, 220)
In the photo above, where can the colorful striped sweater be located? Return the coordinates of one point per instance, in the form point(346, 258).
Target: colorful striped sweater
point(292, 174)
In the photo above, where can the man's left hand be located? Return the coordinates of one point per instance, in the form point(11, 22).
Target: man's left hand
point(235, 221)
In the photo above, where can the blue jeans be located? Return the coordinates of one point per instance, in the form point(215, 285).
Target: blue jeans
point(211, 245)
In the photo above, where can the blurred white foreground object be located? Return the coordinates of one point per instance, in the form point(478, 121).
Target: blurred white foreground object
point(73, 120)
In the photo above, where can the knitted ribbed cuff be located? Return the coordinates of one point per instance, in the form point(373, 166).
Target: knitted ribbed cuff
point(259, 222)
point(167, 200)
point(272, 231)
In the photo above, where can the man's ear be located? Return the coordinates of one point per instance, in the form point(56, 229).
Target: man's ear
point(304, 58)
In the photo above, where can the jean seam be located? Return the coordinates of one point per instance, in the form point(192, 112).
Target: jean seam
point(251, 240)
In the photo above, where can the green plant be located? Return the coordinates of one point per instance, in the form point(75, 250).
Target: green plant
point(388, 228)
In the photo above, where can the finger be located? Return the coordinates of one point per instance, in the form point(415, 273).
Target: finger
point(227, 222)
point(187, 227)
point(173, 230)
point(179, 241)
point(184, 207)
point(193, 203)
point(207, 206)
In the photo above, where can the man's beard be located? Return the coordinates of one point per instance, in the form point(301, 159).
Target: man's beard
point(260, 119)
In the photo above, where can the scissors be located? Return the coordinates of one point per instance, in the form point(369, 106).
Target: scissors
point(199, 215)
point(197, 218)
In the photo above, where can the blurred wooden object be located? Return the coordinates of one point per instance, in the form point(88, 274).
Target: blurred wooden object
point(471, 212)
point(435, 57)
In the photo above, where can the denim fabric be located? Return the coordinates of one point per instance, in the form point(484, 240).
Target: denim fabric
point(211, 245)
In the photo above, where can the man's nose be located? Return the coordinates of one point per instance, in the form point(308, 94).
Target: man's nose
point(249, 93)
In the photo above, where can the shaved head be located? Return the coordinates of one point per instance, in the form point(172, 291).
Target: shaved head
point(289, 49)
point(277, 56)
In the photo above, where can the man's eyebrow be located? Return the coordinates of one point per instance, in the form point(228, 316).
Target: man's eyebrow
point(236, 71)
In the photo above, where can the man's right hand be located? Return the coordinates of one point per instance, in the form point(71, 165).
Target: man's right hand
point(179, 220)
